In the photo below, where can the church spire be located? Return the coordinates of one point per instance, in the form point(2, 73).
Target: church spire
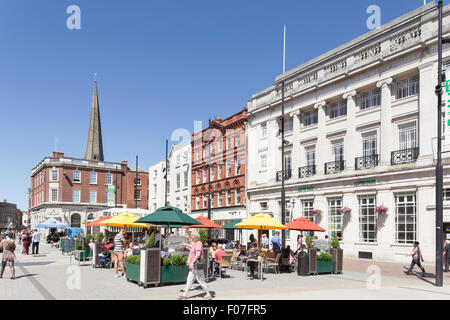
point(94, 148)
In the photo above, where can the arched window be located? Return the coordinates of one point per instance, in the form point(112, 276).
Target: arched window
point(75, 221)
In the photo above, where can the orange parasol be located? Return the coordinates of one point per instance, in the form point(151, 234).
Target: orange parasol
point(303, 224)
point(95, 223)
point(204, 223)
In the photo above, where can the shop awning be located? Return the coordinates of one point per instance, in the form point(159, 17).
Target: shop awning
point(232, 224)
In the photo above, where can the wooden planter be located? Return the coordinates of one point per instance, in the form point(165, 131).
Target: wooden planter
point(338, 259)
point(84, 255)
point(312, 260)
point(133, 272)
point(174, 274)
point(325, 266)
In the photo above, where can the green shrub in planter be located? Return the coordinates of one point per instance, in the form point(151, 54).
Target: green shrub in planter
point(166, 262)
point(335, 243)
point(89, 237)
point(203, 236)
point(134, 259)
point(323, 256)
point(151, 241)
point(309, 241)
point(176, 260)
point(100, 237)
point(184, 259)
point(78, 246)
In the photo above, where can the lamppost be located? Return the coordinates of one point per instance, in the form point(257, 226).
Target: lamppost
point(283, 165)
point(439, 168)
point(136, 185)
point(167, 172)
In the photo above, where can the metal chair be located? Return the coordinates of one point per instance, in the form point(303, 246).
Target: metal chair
point(273, 264)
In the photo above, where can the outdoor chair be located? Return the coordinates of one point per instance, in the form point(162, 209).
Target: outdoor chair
point(273, 264)
point(236, 264)
point(225, 263)
point(270, 255)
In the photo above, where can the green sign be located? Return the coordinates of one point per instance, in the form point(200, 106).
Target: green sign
point(305, 188)
point(364, 182)
point(111, 196)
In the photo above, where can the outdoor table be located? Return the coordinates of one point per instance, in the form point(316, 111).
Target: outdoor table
point(260, 267)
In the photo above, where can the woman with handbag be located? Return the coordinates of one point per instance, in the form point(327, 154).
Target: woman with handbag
point(196, 262)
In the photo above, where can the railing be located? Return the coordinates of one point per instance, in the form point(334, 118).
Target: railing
point(366, 162)
point(404, 156)
point(334, 167)
point(307, 171)
point(287, 174)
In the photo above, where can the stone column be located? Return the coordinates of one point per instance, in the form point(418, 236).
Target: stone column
point(296, 155)
point(386, 144)
point(350, 152)
point(426, 128)
point(322, 145)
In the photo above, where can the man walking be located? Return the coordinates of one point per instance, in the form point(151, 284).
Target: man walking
point(446, 253)
point(36, 238)
point(276, 242)
point(416, 258)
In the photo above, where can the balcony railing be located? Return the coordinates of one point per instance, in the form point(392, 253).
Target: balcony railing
point(334, 167)
point(287, 174)
point(366, 162)
point(404, 156)
point(307, 171)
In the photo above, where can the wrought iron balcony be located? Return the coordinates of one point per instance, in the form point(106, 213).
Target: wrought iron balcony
point(287, 174)
point(404, 156)
point(366, 162)
point(334, 167)
point(307, 171)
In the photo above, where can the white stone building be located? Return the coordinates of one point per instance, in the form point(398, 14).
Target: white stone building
point(178, 180)
point(361, 132)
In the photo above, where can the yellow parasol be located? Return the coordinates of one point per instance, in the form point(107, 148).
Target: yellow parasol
point(261, 221)
point(125, 220)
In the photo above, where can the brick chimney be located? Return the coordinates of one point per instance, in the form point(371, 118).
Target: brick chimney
point(124, 165)
point(57, 154)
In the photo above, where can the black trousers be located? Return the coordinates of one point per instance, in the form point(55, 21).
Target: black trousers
point(416, 262)
point(447, 263)
point(252, 265)
point(34, 246)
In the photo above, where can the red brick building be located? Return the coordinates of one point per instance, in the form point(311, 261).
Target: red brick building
point(72, 189)
point(223, 146)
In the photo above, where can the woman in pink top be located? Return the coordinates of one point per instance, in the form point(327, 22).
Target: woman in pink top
point(195, 254)
point(416, 258)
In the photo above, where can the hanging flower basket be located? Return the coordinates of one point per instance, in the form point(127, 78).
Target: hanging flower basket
point(345, 210)
point(381, 209)
point(316, 212)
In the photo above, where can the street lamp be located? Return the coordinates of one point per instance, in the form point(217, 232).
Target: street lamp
point(283, 195)
point(439, 168)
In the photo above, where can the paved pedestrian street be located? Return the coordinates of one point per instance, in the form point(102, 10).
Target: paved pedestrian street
point(50, 276)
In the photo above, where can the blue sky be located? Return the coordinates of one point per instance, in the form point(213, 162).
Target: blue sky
point(161, 65)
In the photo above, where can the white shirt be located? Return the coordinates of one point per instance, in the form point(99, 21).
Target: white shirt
point(36, 237)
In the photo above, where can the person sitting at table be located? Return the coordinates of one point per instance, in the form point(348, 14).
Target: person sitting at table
point(211, 252)
point(252, 261)
point(241, 253)
point(218, 258)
